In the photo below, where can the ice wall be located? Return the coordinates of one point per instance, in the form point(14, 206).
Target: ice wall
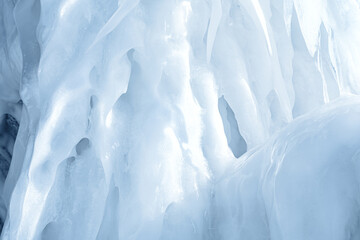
point(180, 119)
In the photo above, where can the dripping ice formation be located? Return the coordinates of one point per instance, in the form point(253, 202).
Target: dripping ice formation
point(180, 119)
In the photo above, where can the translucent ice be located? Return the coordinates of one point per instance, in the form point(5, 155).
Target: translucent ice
point(180, 119)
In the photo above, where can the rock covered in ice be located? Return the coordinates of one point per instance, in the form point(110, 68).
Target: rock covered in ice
point(179, 119)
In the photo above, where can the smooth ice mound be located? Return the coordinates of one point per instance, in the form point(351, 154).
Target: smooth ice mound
point(180, 119)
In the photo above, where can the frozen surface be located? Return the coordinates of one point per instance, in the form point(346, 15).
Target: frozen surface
point(180, 119)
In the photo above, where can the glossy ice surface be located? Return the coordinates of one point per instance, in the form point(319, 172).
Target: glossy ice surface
point(180, 119)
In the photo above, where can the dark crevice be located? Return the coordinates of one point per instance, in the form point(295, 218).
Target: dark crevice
point(3, 212)
point(1, 224)
point(82, 146)
point(51, 232)
point(8, 131)
point(236, 142)
point(93, 101)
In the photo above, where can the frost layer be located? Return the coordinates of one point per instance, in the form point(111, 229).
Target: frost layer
point(172, 119)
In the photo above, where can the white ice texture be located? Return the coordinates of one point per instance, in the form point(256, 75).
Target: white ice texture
point(180, 119)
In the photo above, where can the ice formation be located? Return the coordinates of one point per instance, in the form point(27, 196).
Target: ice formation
point(180, 119)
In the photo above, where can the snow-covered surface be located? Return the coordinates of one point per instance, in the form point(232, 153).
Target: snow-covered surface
point(180, 119)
